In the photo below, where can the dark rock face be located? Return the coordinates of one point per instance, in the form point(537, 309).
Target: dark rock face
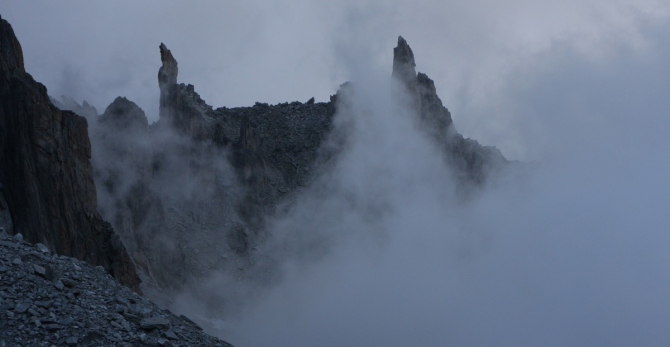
point(46, 173)
point(167, 74)
point(435, 118)
point(5, 216)
point(403, 63)
point(181, 108)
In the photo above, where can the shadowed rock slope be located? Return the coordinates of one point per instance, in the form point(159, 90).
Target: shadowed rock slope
point(46, 178)
point(52, 300)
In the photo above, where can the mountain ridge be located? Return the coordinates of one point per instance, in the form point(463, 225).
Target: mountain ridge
point(191, 193)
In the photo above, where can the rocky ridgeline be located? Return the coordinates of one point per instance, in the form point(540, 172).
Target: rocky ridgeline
point(190, 193)
point(52, 300)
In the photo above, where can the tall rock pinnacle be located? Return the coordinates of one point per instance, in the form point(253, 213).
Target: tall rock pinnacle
point(471, 161)
point(180, 106)
point(423, 98)
point(167, 74)
point(167, 82)
point(403, 62)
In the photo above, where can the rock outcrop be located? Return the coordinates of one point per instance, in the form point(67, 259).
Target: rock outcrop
point(124, 116)
point(435, 118)
point(181, 108)
point(46, 173)
point(470, 161)
point(197, 185)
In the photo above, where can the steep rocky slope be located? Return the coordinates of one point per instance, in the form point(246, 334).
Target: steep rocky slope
point(46, 182)
point(52, 300)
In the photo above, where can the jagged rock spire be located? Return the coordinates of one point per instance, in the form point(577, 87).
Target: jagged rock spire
point(423, 98)
point(124, 115)
point(403, 62)
point(167, 82)
point(11, 54)
point(167, 74)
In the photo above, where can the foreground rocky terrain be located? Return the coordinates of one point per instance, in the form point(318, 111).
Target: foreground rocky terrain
point(53, 300)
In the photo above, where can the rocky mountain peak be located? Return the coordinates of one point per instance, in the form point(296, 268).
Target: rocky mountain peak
point(403, 62)
point(167, 74)
point(124, 114)
point(11, 54)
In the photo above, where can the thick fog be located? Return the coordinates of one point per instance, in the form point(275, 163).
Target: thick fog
point(569, 248)
point(568, 251)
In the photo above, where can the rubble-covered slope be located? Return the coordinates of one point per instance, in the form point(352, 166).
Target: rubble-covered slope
point(53, 300)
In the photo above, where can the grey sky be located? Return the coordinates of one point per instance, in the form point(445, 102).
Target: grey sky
point(239, 52)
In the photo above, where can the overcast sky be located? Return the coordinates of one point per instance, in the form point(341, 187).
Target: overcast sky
point(488, 58)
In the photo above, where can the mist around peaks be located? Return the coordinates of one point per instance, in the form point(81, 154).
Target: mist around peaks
point(566, 251)
point(379, 246)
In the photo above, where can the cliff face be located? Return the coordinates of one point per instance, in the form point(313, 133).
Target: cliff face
point(45, 171)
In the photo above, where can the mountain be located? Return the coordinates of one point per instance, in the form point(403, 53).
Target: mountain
point(170, 202)
point(190, 193)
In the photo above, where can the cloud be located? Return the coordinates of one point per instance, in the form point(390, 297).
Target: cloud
point(570, 251)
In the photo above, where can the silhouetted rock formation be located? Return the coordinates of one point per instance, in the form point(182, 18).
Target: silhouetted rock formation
point(403, 63)
point(180, 106)
point(46, 174)
point(197, 185)
point(167, 74)
point(470, 161)
point(123, 115)
point(435, 118)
